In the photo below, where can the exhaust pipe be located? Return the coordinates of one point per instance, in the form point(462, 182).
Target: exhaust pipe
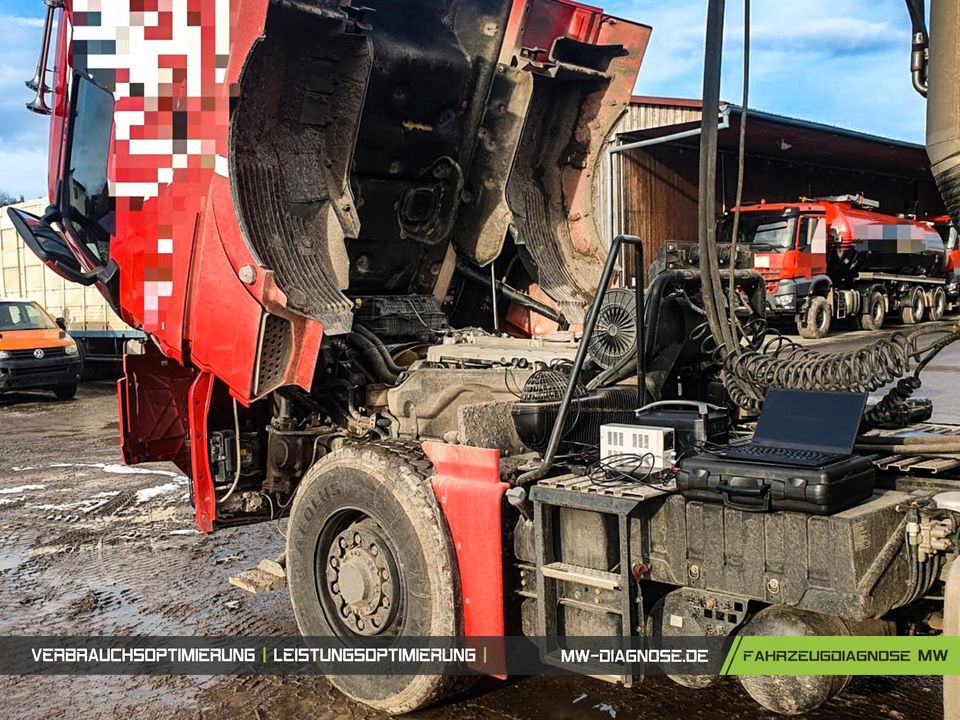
point(943, 102)
point(39, 81)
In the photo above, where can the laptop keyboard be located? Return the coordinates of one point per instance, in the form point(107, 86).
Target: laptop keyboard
point(781, 453)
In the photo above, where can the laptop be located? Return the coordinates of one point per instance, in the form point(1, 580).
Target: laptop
point(804, 428)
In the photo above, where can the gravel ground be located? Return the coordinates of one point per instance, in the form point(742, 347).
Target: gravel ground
point(88, 546)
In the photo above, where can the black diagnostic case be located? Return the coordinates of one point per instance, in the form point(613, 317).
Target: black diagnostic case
point(763, 487)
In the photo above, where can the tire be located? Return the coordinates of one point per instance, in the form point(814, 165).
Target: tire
point(914, 308)
point(814, 323)
point(379, 493)
point(938, 305)
point(873, 319)
point(65, 392)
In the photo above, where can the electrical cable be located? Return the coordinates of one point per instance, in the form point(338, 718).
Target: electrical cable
point(236, 474)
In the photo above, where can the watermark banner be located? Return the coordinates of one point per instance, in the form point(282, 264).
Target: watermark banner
point(845, 655)
point(621, 657)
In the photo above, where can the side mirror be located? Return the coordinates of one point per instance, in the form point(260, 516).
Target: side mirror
point(48, 245)
point(61, 323)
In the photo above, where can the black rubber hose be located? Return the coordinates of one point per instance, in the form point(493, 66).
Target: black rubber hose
point(372, 355)
point(707, 191)
point(378, 343)
point(514, 295)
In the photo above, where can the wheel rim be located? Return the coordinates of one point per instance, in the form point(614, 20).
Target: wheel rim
point(919, 304)
point(877, 313)
point(358, 581)
point(821, 319)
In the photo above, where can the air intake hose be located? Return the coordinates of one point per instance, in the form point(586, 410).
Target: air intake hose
point(943, 102)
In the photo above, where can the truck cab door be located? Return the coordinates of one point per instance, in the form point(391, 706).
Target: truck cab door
point(152, 409)
point(812, 246)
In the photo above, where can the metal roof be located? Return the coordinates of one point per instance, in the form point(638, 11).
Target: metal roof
point(782, 138)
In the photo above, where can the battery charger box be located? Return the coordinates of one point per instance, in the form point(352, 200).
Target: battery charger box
point(635, 444)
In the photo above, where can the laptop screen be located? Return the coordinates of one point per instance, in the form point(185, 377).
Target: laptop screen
point(813, 420)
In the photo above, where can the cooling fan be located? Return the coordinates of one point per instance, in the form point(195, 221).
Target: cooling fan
point(615, 335)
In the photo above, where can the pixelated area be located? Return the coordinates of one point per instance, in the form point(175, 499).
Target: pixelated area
point(165, 62)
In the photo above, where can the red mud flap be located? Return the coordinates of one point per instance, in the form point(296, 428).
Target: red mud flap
point(162, 408)
point(467, 485)
point(152, 409)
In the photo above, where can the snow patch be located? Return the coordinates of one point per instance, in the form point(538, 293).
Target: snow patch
point(118, 469)
point(21, 488)
point(150, 493)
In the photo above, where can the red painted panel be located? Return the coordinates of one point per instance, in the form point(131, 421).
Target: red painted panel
point(204, 499)
point(152, 409)
point(467, 485)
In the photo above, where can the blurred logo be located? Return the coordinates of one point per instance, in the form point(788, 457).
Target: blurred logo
point(38, 354)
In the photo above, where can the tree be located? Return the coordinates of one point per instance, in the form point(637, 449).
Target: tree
point(8, 199)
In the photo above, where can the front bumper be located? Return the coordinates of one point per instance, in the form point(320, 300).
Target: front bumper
point(785, 300)
point(953, 287)
point(33, 374)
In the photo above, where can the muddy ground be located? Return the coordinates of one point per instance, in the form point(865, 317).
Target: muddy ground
point(88, 546)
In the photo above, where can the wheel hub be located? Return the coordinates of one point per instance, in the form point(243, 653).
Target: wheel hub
point(362, 577)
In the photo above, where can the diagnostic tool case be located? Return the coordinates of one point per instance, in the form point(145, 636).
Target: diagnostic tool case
point(762, 487)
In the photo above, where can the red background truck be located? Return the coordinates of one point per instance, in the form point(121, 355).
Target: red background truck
point(837, 257)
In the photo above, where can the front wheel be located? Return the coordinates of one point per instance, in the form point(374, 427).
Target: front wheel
point(65, 392)
point(369, 556)
point(814, 323)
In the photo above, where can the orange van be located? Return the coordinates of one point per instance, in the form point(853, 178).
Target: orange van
point(36, 353)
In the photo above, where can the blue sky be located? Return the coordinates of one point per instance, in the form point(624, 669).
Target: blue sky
point(842, 62)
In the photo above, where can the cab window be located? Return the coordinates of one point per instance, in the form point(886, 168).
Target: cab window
point(86, 203)
point(812, 235)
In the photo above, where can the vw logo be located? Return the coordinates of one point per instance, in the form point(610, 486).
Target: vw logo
point(38, 353)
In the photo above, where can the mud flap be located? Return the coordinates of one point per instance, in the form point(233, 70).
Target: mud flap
point(162, 408)
point(152, 409)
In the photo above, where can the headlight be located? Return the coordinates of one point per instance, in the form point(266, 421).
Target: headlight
point(784, 300)
point(4, 354)
point(71, 349)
